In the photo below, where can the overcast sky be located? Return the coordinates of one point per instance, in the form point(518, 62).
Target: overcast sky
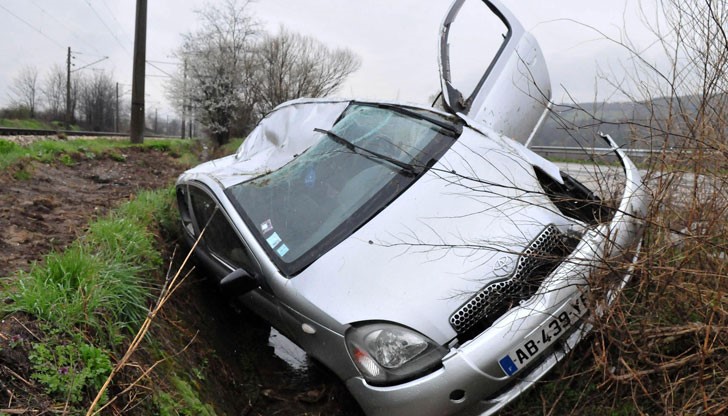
point(396, 40)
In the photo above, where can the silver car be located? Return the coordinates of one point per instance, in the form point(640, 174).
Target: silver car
point(434, 264)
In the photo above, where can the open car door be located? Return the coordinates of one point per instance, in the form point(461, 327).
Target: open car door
point(514, 93)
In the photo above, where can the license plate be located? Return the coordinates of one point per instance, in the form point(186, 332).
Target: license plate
point(540, 339)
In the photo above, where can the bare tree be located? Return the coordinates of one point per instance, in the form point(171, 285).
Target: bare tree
point(24, 90)
point(291, 65)
point(216, 73)
point(54, 91)
point(97, 101)
point(230, 80)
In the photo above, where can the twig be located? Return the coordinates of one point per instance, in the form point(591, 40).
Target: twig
point(167, 290)
point(145, 373)
point(16, 375)
point(27, 329)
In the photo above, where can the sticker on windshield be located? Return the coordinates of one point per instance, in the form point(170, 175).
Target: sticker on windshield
point(310, 179)
point(273, 240)
point(282, 250)
point(266, 226)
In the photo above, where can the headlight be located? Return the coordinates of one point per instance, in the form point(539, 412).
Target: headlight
point(387, 353)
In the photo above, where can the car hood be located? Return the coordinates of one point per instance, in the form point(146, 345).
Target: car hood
point(459, 227)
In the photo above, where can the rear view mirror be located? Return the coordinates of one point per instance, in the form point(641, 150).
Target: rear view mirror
point(237, 283)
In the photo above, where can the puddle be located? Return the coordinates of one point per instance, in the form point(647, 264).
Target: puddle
point(287, 351)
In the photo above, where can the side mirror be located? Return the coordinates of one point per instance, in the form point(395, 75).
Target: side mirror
point(238, 283)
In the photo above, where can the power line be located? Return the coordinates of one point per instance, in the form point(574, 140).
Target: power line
point(159, 69)
point(92, 63)
point(162, 62)
point(68, 29)
point(108, 28)
point(88, 54)
point(31, 26)
point(113, 16)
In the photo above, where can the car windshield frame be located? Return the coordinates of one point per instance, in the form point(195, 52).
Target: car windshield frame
point(290, 184)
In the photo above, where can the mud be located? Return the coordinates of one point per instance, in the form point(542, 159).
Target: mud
point(44, 207)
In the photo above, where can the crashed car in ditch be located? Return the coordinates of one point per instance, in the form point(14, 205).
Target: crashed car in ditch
point(431, 261)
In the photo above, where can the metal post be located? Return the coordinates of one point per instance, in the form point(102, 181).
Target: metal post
point(137, 87)
point(116, 117)
point(68, 89)
point(192, 122)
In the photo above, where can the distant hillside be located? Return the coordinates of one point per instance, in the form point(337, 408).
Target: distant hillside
point(577, 124)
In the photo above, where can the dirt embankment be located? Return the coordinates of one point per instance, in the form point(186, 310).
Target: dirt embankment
point(44, 207)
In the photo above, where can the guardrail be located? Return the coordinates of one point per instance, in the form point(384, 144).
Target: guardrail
point(587, 153)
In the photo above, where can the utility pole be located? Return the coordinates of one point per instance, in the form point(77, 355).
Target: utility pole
point(156, 121)
point(116, 118)
point(68, 89)
point(184, 98)
point(140, 60)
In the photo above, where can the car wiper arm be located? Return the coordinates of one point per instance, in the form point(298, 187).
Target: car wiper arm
point(407, 167)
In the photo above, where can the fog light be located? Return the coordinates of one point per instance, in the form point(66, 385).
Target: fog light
point(457, 396)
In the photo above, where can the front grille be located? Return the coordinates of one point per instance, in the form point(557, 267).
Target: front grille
point(536, 262)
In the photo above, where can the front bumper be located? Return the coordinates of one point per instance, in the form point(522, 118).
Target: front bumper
point(470, 380)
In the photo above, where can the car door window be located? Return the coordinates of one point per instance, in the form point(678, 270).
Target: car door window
point(220, 237)
point(474, 41)
point(513, 80)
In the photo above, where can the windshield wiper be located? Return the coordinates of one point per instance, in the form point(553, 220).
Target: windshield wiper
point(406, 167)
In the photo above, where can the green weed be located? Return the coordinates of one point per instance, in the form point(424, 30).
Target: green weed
point(7, 147)
point(70, 370)
point(116, 155)
point(66, 159)
point(162, 146)
point(22, 175)
point(184, 401)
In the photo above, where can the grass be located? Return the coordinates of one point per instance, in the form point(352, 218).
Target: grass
point(29, 123)
point(183, 401)
point(231, 147)
point(26, 124)
point(48, 151)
